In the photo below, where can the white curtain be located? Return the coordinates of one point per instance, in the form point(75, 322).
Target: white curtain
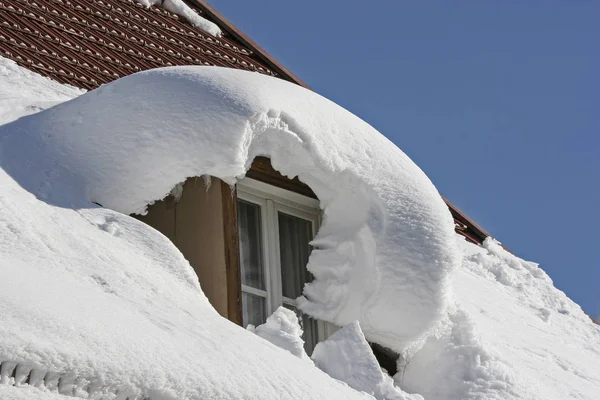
point(295, 235)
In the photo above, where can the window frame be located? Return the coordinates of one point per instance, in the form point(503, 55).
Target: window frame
point(272, 200)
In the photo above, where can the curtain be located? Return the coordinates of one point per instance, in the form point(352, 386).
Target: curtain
point(294, 237)
point(250, 236)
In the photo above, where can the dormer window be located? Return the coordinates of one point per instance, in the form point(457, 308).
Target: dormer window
point(275, 229)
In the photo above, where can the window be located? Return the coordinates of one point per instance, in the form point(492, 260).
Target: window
point(275, 229)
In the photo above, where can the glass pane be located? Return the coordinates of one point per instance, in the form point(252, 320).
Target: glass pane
point(253, 310)
point(294, 235)
point(251, 257)
point(309, 326)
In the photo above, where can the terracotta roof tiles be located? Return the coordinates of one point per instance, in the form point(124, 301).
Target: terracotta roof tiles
point(88, 43)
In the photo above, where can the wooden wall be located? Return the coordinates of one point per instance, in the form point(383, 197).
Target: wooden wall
point(202, 223)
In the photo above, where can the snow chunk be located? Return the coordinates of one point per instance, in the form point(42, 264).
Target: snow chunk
point(386, 245)
point(347, 356)
point(283, 330)
point(178, 7)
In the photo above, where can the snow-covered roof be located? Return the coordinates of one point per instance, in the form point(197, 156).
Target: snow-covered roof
point(90, 295)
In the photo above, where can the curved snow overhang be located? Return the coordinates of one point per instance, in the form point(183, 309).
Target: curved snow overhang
point(386, 248)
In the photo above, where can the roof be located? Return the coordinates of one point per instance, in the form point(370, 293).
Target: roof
point(87, 43)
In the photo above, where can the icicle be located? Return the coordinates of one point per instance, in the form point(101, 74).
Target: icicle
point(177, 192)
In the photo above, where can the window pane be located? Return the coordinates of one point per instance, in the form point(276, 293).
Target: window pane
point(294, 235)
point(309, 326)
point(251, 257)
point(253, 309)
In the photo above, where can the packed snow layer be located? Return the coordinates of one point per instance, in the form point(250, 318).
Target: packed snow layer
point(178, 7)
point(386, 248)
point(509, 335)
point(23, 92)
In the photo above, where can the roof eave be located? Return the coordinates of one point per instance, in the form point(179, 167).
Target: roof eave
point(226, 25)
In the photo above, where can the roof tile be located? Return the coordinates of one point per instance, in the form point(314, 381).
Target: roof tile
point(88, 43)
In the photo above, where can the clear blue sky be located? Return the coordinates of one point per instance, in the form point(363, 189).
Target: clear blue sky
point(498, 102)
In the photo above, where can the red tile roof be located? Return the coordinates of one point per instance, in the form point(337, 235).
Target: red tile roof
point(86, 43)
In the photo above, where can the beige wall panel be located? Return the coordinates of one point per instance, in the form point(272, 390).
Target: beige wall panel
point(199, 236)
point(195, 225)
point(161, 216)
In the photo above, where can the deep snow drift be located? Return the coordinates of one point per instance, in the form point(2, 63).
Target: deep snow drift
point(386, 246)
point(107, 305)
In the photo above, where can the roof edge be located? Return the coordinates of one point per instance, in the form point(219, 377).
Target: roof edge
point(246, 41)
point(462, 217)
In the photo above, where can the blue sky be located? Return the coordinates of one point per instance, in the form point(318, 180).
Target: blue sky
point(498, 102)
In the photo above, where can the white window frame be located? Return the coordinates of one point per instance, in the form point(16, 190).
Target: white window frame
point(272, 199)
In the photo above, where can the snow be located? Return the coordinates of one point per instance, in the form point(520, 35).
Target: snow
point(18, 99)
point(178, 7)
point(103, 306)
point(283, 330)
point(27, 393)
point(389, 251)
point(510, 335)
point(347, 356)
